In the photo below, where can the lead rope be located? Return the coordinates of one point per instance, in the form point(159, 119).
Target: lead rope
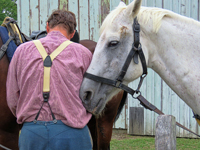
point(48, 59)
point(151, 107)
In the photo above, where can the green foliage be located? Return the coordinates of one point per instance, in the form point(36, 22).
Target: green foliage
point(8, 8)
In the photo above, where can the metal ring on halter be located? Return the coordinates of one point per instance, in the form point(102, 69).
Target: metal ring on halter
point(138, 94)
point(143, 75)
point(138, 47)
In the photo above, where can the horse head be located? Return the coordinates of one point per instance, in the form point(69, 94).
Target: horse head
point(112, 49)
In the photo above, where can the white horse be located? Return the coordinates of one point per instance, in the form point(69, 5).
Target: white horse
point(171, 45)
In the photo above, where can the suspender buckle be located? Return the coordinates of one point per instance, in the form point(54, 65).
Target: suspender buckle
point(54, 121)
point(46, 96)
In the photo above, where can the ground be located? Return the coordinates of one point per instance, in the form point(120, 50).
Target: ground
point(122, 134)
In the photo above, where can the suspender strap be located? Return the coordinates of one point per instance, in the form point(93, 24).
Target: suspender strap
point(48, 59)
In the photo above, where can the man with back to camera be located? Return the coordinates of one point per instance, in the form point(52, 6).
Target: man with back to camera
point(43, 85)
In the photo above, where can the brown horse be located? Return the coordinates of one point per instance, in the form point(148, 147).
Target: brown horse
point(100, 128)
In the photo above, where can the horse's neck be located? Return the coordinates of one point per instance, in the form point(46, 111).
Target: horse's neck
point(174, 53)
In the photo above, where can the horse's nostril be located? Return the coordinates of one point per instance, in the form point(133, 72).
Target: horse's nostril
point(87, 95)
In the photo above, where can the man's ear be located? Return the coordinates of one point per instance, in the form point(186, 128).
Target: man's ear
point(47, 27)
point(72, 34)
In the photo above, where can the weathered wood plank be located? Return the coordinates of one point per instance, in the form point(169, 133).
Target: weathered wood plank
point(52, 5)
point(126, 1)
point(63, 4)
point(136, 121)
point(144, 2)
point(121, 122)
point(166, 95)
point(159, 3)
point(183, 7)
point(176, 6)
point(194, 9)
point(165, 136)
point(94, 20)
point(157, 96)
point(199, 11)
point(150, 95)
point(84, 20)
point(74, 7)
point(113, 4)
point(25, 25)
point(151, 3)
point(43, 13)
point(34, 15)
point(19, 10)
point(133, 102)
point(168, 4)
point(105, 9)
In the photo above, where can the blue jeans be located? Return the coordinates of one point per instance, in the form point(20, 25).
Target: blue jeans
point(49, 136)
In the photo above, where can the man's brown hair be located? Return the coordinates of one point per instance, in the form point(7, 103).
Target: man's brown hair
point(64, 18)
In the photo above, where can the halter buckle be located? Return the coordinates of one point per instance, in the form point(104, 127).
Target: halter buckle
point(118, 83)
point(137, 28)
point(138, 94)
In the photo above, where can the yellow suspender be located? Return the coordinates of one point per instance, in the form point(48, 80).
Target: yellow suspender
point(48, 59)
point(43, 53)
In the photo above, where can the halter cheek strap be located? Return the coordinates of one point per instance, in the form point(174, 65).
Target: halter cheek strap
point(48, 59)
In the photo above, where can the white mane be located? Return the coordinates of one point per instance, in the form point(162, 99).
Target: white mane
point(110, 17)
point(157, 14)
point(145, 13)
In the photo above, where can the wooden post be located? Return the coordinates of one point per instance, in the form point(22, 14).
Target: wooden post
point(165, 134)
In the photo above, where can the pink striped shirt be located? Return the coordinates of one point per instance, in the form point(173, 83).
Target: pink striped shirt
point(25, 82)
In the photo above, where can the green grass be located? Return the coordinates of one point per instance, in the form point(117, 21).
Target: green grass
point(187, 144)
point(147, 143)
point(139, 143)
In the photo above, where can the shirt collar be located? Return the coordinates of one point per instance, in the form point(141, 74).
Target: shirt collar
point(57, 34)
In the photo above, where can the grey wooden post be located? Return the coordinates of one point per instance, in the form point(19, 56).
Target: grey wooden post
point(165, 134)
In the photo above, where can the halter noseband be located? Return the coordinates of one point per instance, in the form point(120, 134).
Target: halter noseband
point(135, 51)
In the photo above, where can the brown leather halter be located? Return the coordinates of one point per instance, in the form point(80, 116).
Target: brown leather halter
point(134, 53)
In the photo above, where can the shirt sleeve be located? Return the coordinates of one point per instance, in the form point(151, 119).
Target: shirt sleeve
point(12, 88)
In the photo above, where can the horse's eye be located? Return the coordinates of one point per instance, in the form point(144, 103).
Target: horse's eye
point(113, 43)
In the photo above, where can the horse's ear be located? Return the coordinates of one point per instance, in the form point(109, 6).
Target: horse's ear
point(121, 3)
point(133, 8)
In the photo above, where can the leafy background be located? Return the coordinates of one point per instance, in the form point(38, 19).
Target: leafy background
point(8, 8)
